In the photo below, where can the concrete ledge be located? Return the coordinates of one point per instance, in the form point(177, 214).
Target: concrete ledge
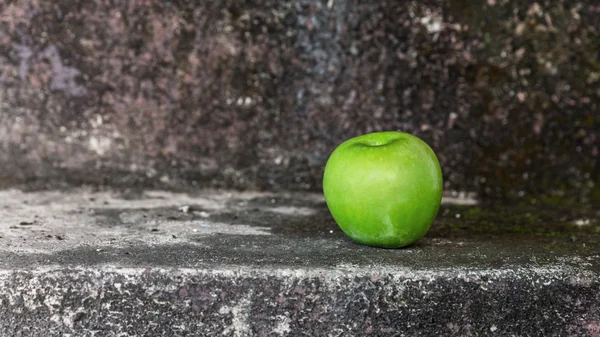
point(109, 301)
point(118, 263)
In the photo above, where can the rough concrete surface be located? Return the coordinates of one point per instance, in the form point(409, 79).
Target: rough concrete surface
point(152, 103)
point(87, 262)
point(256, 94)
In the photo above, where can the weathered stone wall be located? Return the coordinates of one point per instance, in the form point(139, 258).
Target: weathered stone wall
point(256, 94)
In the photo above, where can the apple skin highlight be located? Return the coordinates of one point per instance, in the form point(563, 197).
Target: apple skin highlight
point(383, 189)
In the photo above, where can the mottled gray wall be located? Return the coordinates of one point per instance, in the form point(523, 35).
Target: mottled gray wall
point(256, 94)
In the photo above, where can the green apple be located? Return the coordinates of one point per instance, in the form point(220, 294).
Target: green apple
point(383, 189)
